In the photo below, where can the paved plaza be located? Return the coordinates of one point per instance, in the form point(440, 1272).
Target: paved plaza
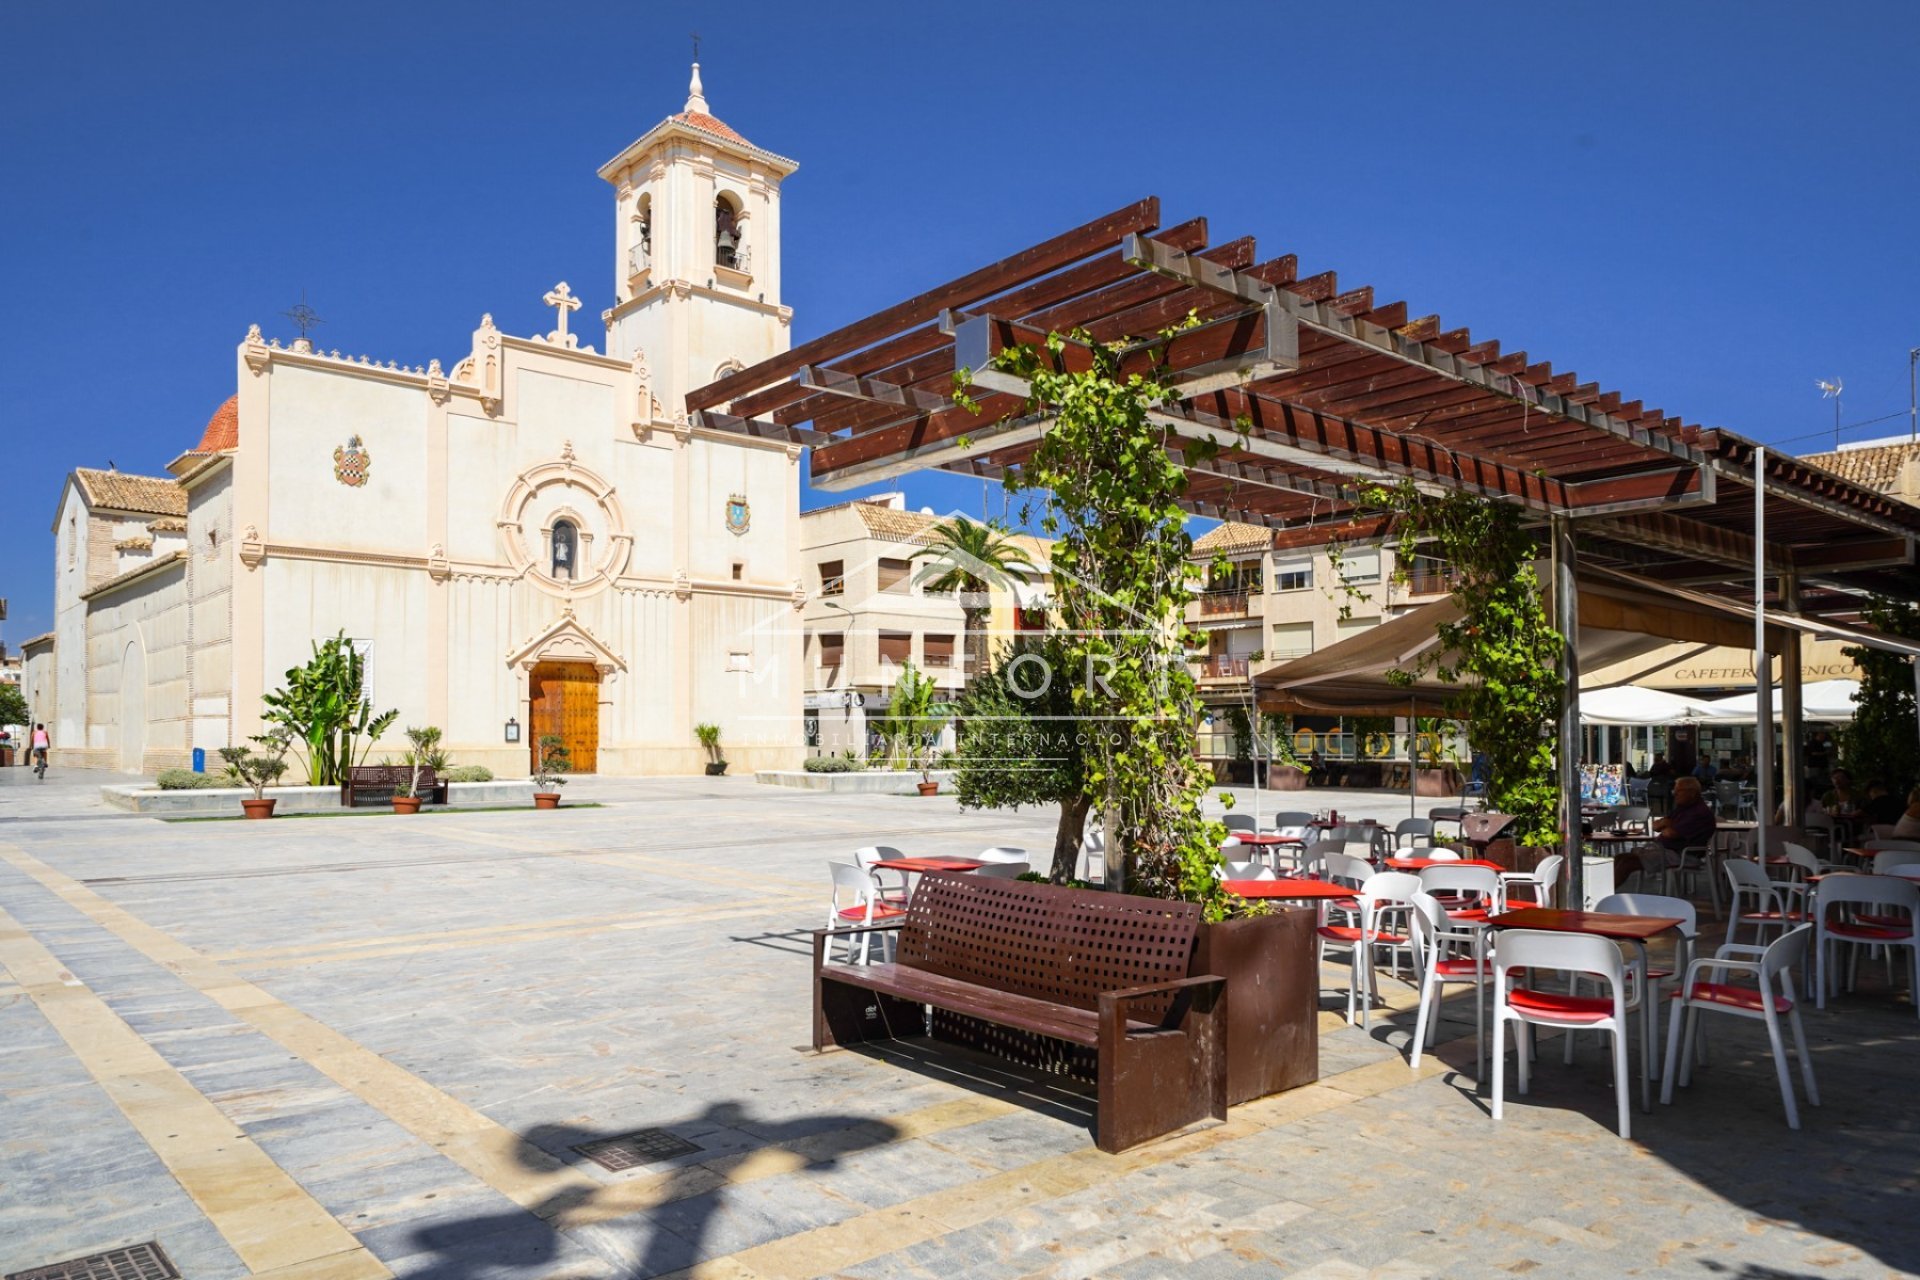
point(368, 1046)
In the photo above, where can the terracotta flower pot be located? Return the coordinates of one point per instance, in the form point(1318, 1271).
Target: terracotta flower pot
point(546, 799)
point(259, 808)
point(406, 804)
point(928, 788)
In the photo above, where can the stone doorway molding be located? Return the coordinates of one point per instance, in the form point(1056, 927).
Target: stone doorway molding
point(592, 575)
point(566, 640)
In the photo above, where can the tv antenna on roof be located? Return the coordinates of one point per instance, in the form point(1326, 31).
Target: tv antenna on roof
point(303, 316)
point(1830, 390)
point(696, 46)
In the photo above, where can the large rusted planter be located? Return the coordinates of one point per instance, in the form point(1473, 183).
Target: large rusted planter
point(1273, 1026)
point(1444, 781)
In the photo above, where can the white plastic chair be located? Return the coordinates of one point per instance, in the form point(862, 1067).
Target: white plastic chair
point(1769, 899)
point(1001, 870)
point(1482, 882)
point(1240, 822)
point(1535, 951)
point(1438, 941)
point(1246, 871)
point(1408, 833)
point(1650, 904)
point(1542, 884)
point(1384, 901)
point(1891, 926)
point(1704, 987)
point(892, 884)
point(1440, 853)
point(1002, 853)
point(857, 901)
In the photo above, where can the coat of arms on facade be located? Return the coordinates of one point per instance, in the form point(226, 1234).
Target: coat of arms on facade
point(739, 514)
point(351, 463)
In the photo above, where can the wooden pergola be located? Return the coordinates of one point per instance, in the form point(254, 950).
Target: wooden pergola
point(1310, 389)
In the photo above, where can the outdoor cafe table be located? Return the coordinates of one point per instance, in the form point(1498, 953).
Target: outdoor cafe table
point(1294, 889)
point(928, 864)
point(1604, 924)
point(1421, 864)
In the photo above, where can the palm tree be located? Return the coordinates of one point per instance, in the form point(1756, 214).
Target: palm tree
point(973, 558)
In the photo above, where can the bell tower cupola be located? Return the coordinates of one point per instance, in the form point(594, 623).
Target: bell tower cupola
point(697, 251)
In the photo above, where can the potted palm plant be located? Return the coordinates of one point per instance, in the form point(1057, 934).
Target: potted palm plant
point(259, 769)
point(554, 761)
point(971, 560)
point(423, 755)
point(709, 735)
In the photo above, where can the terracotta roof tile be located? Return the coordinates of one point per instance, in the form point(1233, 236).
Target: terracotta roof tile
point(1876, 467)
point(891, 522)
point(708, 124)
point(223, 428)
point(1233, 537)
point(137, 571)
point(167, 524)
point(122, 491)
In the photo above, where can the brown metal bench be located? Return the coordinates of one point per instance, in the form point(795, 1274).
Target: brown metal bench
point(379, 783)
point(1091, 983)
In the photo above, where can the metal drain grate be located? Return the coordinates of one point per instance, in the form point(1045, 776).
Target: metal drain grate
point(135, 1262)
point(632, 1150)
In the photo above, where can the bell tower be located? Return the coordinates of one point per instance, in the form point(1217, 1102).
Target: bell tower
point(696, 252)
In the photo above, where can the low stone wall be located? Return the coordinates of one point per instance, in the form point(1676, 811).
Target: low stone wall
point(872, 782)
point(224, 802)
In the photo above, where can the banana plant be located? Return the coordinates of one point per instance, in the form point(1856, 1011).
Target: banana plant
point(324, 707)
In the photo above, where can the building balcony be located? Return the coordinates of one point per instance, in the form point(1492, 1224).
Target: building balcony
point(1221, 666)
point(1429, 584)
point(1228, 603)
point(639, 260)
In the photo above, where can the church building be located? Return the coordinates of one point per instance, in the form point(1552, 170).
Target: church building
point(529, 538)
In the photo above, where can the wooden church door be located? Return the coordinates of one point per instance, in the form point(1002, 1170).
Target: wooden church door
point(566, 703)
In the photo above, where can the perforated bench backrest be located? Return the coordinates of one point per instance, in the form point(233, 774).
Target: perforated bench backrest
point(1063, 945)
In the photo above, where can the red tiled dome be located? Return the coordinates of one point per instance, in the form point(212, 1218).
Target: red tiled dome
point(223, 428)
point(708, 124)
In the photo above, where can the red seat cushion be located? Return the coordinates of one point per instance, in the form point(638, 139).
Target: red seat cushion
point(1734, 997)
point(1463, 968)
point(1351, 933)
point(881, 911)
point(1564, 1008)
point(1868, 932)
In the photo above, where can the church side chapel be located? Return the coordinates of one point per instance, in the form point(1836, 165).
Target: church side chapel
point(529, 540)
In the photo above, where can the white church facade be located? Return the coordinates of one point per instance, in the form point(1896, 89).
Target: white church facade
point(530, 538)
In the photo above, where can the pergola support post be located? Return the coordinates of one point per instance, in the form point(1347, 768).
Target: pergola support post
point(1762, 665)
point(1566, 618)
point(1790, 711)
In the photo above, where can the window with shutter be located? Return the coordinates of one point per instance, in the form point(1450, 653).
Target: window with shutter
point(1293, 574)
point(1360, 564)
point(1290, 640)
point(939, 651)
point(894, 575)
point(833, 649)
point(833, 577)
point(896, 647)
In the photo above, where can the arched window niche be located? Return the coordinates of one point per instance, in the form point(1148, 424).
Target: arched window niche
point(640, 238)
point(564, 544)
point(729, 233)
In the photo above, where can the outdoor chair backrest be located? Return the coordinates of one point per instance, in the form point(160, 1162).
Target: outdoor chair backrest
point(1484, 881)
point(1801, 857)
point(1002, 870)
point(1292, 818)
point(1002, 853)
point(1415, 827)
point(1344, 868)
point(1886, 860)
point(1061, 945)
point(1539, 952)
point(1846, 888)
point(852, 886)
point(1246, 871)
point(1240, 822)
point(865, 858)
point(1653, 904)
point(1629, 817)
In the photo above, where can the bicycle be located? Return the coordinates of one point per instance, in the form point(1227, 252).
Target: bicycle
point(40, 764)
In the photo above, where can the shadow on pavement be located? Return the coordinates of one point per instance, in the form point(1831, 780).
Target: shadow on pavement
point(669, 1234)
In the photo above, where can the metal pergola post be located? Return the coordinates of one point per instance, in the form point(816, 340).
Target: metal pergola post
point(1566, 617)
point(1790, 710)
point(1762, 667)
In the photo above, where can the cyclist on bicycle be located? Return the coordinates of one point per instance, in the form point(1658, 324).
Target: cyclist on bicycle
point(39, 744)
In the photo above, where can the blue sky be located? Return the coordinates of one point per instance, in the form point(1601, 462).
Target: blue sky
point(1707, 206)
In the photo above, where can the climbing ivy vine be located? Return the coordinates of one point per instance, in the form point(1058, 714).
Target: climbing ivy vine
point(1109, 490)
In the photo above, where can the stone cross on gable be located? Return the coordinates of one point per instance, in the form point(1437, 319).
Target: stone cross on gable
point(561, 299)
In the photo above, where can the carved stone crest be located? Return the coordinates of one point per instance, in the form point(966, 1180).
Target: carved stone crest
point(351, 463)
point(739, 514)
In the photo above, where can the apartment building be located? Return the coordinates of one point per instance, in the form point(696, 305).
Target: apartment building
point(1259, 605)
point(868, 612)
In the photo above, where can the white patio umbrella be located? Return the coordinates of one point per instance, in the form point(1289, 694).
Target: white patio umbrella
point(1829, 700)
point(1631, 705)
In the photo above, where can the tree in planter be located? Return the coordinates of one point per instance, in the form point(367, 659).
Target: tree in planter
point(1110, 491)
point(323, 706)
point(423, 754)
point(259, 769)
point(912, 721)
point(972, 558)
point(13, 705)
point(1020, 742)
point(555, 760)
point(1880, 743)
point(709, 735)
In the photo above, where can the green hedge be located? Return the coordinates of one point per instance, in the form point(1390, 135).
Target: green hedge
point(832, 764)
point(188, 780)
point(469, 773)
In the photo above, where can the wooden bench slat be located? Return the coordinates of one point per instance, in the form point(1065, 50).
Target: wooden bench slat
point(1042, 1017)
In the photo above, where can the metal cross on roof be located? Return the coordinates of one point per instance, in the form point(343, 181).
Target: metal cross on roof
point(303, 316)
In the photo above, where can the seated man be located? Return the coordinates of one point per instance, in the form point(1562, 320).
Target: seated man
point(1689, 824)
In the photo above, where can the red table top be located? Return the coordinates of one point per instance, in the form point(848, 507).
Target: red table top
point(1327, 824)
point(1261, 837)
point(1604, 923)
point(1421, 864)
point(930, 864)
point(1301, 889)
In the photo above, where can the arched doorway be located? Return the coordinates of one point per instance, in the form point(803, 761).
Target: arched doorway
point(564, 701)
point(133, 708)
